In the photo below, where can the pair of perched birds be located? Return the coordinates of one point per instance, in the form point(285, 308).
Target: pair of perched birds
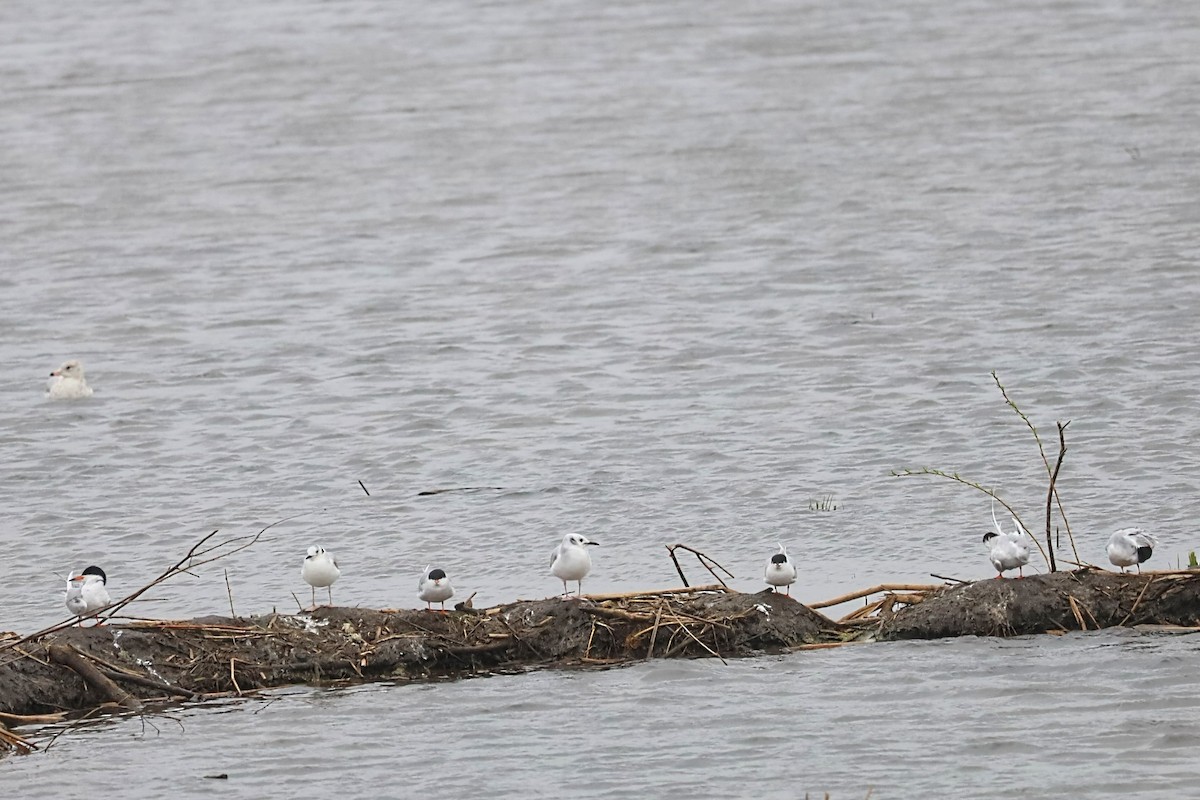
point(571, 561)
point(320, 570)
point(1127, 547)
point(87, 591)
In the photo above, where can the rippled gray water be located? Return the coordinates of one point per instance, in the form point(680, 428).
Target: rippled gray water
point(662, 272)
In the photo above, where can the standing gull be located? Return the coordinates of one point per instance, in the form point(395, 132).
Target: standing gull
point(87, 592)
point(434, 587)
point(780, 571)
point(1007, 550)
point(571, 561)
point(67, 382)
point(320, 570)
point(1129, 547)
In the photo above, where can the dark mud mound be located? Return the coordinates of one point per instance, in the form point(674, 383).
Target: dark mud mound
point(80, 668)
point(1061, 601)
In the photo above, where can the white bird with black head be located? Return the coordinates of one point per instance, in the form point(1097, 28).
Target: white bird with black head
point(320, 570)
point(780, 571)
point(67, 382)
point(434, 587)
point(571, 561)
point(87, 591)
point(1129, 547)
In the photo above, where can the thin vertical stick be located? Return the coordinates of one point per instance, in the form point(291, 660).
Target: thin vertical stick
point(678, 568)
point(1045, 461)
point(1062, 451)
point(229, 592)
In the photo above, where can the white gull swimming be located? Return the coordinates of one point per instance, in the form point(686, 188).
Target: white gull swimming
point(67, 382)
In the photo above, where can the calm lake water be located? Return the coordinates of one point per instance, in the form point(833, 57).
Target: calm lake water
point(658, 271)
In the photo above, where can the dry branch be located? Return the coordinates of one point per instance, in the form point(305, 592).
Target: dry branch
point(68, 656)
point(883, 587)
point(705, 561)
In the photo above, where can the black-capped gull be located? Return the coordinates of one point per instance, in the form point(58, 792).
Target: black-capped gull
point(434, 587)
point(780, 571)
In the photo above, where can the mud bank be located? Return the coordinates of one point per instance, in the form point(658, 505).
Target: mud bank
point(130, 664)
point(1086, 599)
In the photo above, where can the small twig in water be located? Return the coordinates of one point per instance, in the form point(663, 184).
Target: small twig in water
point(368, 494)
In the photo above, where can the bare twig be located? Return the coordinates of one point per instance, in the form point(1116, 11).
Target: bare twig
point(229, 593)
point(954, 476)
point(200, 553)
point(1062, 451)
point(1136, 603)
point(883, 587)
point(1045, 461)
point(11, 741)
point(678, 568)
point(368, 494)
point(705, 561)
point(68, 656)
point(653, 593)
point(654, 632)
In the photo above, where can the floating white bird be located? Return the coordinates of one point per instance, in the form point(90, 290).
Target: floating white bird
point(780, 571)
point(434, 587)
point(571, 561)
point(87, 592)
point(320, 570)
point(1129, 547)
point(1007, 550)
point(67, 382)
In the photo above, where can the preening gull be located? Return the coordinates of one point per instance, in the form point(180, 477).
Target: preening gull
point(1129, 547)
point(1007, 550)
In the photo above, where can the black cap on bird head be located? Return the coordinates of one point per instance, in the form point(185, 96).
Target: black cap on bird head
point(436, 575)
point(779, 558)
point(1144, 553)
point(94, 570)
point(987, 537)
